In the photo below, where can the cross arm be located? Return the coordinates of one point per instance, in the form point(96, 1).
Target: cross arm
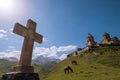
point(23, 31)
point(20, 30)
point(38, 38)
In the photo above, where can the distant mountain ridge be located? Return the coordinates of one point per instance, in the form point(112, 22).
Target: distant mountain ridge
point(45, 62)
point(12, 59)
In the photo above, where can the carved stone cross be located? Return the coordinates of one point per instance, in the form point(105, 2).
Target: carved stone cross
point(30, 36)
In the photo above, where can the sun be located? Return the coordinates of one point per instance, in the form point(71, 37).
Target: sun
point(12, 9)
point(6, 5)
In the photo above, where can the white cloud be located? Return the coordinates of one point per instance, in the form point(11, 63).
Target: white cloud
point(10, 48)
point(45, 39)
point(66, 48)
point(3, 33)
point(52, 51)
point(15, 54)
point(63, 56)
point(46, 52)
point(11, 31)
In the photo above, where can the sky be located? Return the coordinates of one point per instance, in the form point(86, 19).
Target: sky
point(64, 24)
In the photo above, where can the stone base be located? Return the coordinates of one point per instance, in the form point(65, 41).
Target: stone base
point(20, 76)
point(23, 69)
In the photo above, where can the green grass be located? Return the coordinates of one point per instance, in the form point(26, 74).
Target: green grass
point(40, 70)
point(102, 63)
point(5, 66)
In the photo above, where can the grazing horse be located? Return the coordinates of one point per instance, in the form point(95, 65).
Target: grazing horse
point(67, 69)
point(74, 62)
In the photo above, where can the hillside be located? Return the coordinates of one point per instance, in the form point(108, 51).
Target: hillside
point(101, 63)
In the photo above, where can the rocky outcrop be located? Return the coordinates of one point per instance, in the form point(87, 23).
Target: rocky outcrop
point(106, 39)
point(90, 41)
point(109, 41)
point(114, 40)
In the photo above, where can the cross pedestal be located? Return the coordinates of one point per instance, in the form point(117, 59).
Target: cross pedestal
point(20, 76)
point(24, 70)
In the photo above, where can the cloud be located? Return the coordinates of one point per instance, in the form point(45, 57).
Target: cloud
point(45, 39)
point(10, 48)
point(11, 31)
point(52, 51)
point(46, 52)
point(63, 56)
point(66, 48)
point(3, 33)
point(15, 54)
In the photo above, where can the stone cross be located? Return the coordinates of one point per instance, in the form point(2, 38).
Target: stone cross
point(30, 36)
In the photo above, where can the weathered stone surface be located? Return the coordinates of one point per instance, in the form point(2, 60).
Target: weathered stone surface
point(30, 36)
point(20, 76)
point(90, 41)
point(106, 39)
point(114, 40)
point(23, 69)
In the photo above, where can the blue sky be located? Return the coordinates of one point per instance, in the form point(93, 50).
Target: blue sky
point(63, 23)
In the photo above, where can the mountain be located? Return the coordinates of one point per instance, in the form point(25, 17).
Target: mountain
point(12, 59)
point(46, 62)
point(101, 63)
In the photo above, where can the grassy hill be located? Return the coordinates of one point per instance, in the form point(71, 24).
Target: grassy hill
point(101, 63)
point(7, 66)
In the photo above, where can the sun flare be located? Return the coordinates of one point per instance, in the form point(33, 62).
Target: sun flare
point(6, 5)
point(12, 8)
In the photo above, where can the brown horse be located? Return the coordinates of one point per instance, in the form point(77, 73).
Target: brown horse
point(68, 69)
point(74, 62)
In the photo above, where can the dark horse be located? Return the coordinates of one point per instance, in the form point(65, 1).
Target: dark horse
point(67, 69)
point(74, 62)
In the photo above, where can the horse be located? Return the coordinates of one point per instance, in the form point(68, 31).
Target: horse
point(74, 62)
point(68, 69)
